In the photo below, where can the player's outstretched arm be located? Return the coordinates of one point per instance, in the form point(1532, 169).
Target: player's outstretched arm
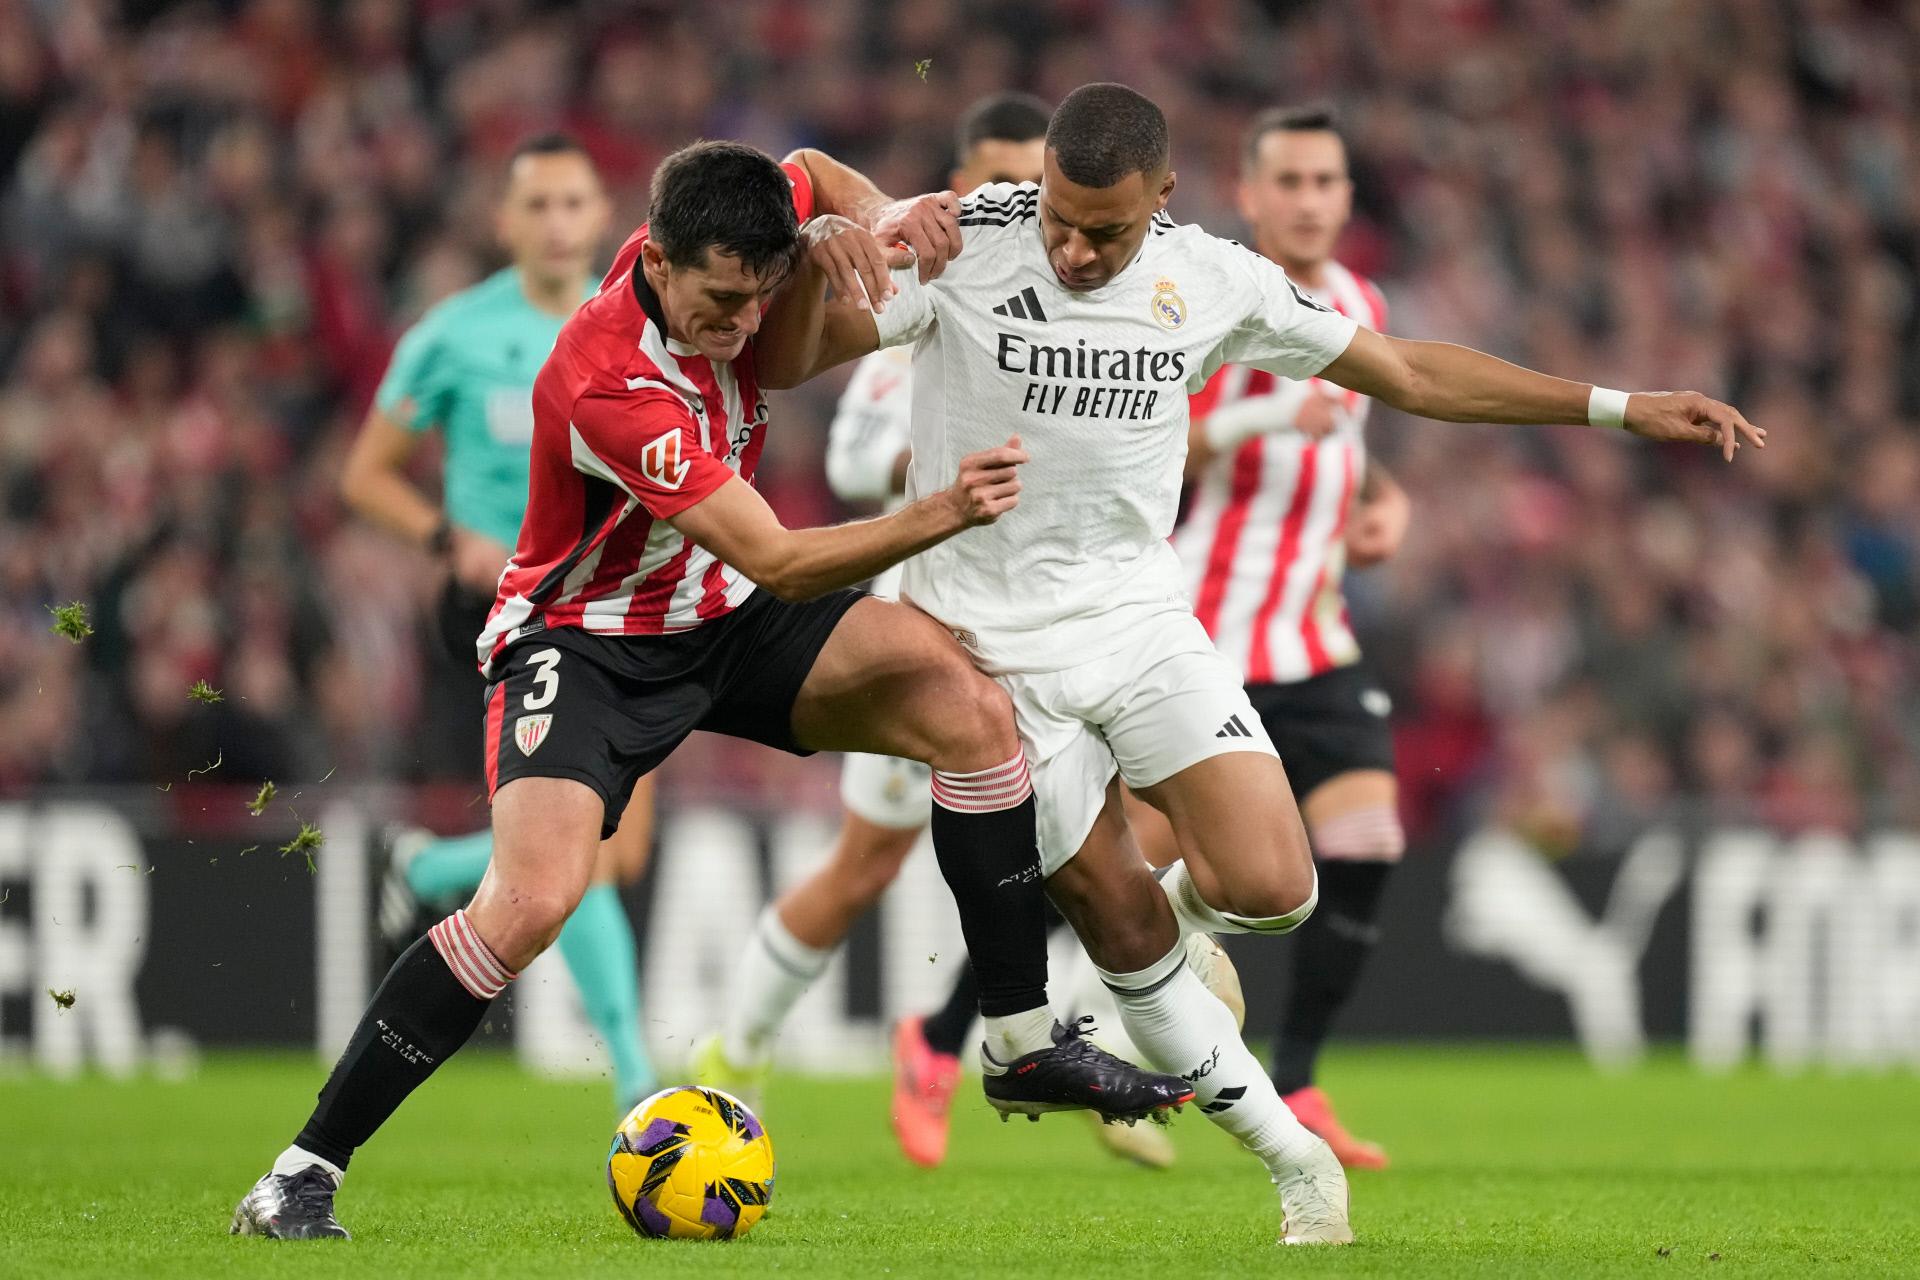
point(1458, 384)
point(735, 524)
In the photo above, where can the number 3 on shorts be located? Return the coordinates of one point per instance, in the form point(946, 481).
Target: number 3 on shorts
point(546, 681)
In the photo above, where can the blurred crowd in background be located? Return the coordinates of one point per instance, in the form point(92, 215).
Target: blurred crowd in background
point(216, 217)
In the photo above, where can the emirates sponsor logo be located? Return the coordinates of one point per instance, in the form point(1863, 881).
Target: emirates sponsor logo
point(530, 731)
point(660, 462)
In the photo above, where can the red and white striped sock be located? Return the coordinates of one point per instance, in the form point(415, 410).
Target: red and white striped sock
point(472, 962)
point(1360, 835)
point(984, 790)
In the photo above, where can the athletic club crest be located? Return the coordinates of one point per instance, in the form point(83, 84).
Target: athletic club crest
point(1169, 309)
point(530, 731)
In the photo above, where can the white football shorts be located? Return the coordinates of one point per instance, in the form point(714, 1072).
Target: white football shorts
point(1164, 702)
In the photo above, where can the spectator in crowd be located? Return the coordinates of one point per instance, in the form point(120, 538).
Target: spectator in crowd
point(214, 218)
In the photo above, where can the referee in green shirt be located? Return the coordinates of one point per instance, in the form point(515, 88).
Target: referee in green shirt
point(466, 370)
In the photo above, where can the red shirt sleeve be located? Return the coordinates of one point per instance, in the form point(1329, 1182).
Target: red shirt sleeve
point(648, 443)
point(802, 190)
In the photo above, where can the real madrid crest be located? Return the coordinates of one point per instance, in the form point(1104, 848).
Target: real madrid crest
point(1169, 309)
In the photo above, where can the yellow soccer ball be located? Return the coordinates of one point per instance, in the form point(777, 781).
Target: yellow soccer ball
point(691, 1164)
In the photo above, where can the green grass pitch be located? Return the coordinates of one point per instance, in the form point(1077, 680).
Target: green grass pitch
point(1507, 1162)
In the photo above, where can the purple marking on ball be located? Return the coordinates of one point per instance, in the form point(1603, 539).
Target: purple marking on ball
point(651, 1218)
point(717, 1212)
point(658, 1130)
point(752, 1121)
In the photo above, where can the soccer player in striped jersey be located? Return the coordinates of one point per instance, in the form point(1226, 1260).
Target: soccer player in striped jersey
point(653, 592)
point(1074, 604)
point(466, 370)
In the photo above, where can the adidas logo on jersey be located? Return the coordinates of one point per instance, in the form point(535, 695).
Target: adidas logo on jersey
point(1233, 729)
point(1024, 305)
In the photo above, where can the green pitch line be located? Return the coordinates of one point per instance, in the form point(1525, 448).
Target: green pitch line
point(1507, 1162)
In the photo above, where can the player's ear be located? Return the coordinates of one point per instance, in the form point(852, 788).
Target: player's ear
point(1166, 192)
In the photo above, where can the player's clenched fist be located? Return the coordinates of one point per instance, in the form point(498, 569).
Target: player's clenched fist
point(1691, 418)
point(989, 483)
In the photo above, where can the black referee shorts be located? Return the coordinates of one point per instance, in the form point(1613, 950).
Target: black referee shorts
point(1326, 725)
point(605, 710)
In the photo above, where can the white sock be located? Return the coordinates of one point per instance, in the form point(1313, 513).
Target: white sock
point(294, 1159)
point(1020, 1033)
point(1195, 916)
point(1183, 1028)
point(774, 973)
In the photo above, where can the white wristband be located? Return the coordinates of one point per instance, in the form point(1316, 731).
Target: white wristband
point(1607, 408)
point(1232, 425)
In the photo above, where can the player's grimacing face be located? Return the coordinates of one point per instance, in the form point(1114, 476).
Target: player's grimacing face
point(554, 215)
point(714, 305)
point(1296, 195)
point(998, 160)
point(1092, 233)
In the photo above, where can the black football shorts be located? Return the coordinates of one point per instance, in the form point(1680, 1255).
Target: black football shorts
point(1326, 725)
point(606, 710)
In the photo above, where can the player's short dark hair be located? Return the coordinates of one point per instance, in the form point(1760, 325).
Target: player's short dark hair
point(726, 196)
point(1101, 133)
point(550, 144)
point(1316, 117)
point(1001, 117)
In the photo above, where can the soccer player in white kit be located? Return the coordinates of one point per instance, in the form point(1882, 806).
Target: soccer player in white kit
point(1286, 498)
point(1075, 603)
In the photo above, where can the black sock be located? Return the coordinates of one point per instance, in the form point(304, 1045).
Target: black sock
point(417, 1019)
point(991, 861)
point(945, 1028)
point(1330, 950)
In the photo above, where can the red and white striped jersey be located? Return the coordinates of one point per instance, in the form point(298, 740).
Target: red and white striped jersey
point(630, 428)
point(1262, 544)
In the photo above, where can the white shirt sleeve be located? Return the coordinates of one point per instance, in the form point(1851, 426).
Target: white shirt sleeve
point(909, 313)
point(1284, 332)
point(872, 427)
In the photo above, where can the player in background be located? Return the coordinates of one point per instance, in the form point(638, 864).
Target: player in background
point(652, 592)
point(466, 370)
point(1074, 602)
point(888, 800)
point(1285, 499)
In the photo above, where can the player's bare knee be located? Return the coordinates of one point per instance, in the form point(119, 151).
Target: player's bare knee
point(974, 727)
point(1268, 891)
point(519, 921)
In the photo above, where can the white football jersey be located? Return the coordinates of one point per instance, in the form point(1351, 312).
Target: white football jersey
point(1095, 384)
point(870, 431)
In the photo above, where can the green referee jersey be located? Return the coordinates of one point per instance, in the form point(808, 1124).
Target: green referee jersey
point(467, 368)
